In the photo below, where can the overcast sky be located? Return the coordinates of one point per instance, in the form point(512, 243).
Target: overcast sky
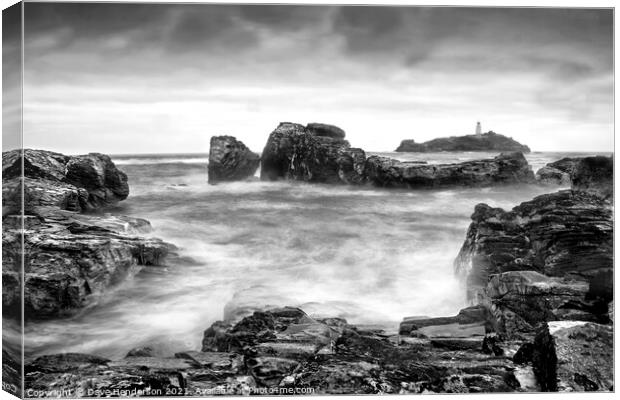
point(121, 78)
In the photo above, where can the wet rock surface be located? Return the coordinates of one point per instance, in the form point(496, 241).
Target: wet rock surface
point(319, 153)
point(595, 175)
point(489, 141)
point(564, 234)
point(76, 183)
point(309, 154)
point(230, 160)
point(507, 168)
point(591, 174)
point(574, 356)
point(71, 257)
point(543, 272)
point(558, 172)
point(285, 351)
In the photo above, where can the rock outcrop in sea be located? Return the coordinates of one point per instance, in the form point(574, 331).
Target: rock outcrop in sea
point(319, 153)
point(314, 153)
point(71, 257)
point(558, 172)
point(489, 141)
point(594, 174)
point(230, 160)
point(503, 169)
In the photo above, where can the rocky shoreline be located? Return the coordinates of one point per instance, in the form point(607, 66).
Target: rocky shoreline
point(538, 281)
point(74, 252)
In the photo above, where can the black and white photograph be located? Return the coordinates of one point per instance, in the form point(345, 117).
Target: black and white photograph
point(226, 199)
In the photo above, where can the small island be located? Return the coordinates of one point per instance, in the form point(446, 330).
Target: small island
point(489, 141)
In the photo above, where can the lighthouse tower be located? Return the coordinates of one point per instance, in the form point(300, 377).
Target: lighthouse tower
point(478, 129)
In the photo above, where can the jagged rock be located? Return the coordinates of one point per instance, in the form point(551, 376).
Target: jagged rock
point(273, 350)
point(558, 172)
point(296, 152)
point(69, 258)
point(574, 356)
point(564, 234)
point(506, 168)
point(489, 141)
point(38, 164)
point(74, 183)
point(230, 160)
point(352, 166)
point(69, 262)
point(552, 176)
point(519, 300)
point(595, 175)
point(591, 174)
point(99, 176)
point(290, 325)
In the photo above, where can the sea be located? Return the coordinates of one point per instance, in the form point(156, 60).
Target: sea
point(372, 256)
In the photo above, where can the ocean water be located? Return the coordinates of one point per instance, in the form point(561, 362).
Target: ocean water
point(372, 256)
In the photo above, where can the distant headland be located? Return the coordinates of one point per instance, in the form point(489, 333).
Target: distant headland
point(489, 141)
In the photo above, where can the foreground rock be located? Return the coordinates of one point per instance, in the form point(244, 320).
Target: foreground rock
point(489, 141)
point(574, 356)
point(567, 236)
point(284, 351)
point(543, 274)
point(70, 258)
point(315, 153)
point(591, 174)
point(230, 160)
point(504, 169)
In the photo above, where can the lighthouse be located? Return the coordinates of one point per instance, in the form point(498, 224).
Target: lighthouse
point(478, 129)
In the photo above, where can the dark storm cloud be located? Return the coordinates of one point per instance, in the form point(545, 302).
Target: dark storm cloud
point(413, 33)
point(11, 76)
point(105, 63)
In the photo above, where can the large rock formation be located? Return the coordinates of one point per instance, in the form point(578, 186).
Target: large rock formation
point(489, 141)
point(76, 183)
point(593, 174)
point(70, 258)
point(543, 273)
point(319, 153)
point(230, 160)
point(316, 153)
point(568, 234)
point(503, 169)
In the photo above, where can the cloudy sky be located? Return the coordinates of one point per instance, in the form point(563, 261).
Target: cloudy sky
point(131, 78)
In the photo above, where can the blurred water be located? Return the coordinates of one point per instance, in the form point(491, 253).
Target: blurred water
point(372, 256)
